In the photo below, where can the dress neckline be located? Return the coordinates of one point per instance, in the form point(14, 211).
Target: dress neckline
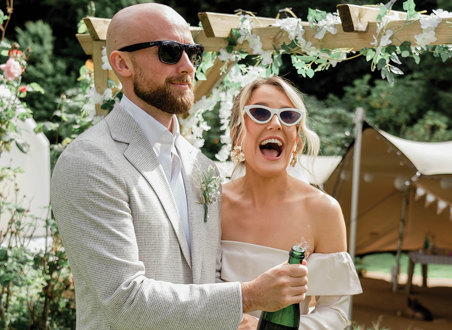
point(255, 245)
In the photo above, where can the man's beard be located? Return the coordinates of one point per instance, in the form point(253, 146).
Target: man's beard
point(163, 97)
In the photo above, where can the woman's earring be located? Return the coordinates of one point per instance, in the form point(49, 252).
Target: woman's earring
point(237, 154)
point(294, 159)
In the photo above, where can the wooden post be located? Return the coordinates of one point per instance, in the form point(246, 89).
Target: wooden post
point(214, 77)
point(409, 281)
point(406, 200)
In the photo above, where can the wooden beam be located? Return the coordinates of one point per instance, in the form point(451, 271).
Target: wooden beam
point(214, 77)
point(403, 31)
point(356, 18)
point(86, 42)
point(219, 25)
point(272, 35)
point(210, 44)
point(97, 27)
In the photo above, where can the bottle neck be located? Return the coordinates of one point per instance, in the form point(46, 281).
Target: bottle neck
point(296, 255)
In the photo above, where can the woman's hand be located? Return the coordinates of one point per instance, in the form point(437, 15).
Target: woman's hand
point(249, 322)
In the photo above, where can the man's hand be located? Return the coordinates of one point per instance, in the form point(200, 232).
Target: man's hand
point(280, 286)
point(249, 322)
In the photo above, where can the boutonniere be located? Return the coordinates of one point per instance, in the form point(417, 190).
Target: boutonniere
point(210, 188)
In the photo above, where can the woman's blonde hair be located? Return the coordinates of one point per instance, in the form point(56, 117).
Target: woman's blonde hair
point(308, 139)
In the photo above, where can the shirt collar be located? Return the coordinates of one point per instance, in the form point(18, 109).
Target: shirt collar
point(154, 131)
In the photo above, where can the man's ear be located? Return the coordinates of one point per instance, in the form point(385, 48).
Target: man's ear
point(121, 63)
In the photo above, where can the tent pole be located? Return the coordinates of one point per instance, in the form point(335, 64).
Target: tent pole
point(358, 120)
point(406, 194)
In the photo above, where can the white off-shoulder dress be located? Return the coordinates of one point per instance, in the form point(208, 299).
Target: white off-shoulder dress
point(332, 278)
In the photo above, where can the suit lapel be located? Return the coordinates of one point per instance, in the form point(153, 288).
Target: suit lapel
point(192, 182)
point(142, 156)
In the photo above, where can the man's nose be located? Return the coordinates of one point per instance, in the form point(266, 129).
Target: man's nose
point(185, 64)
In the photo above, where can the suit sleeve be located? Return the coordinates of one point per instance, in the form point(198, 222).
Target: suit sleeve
point(91, 205)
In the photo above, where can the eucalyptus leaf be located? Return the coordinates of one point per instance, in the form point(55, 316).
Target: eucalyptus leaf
point(395, 58)
point(383, 11)
point(235, 33)
point(381, 63)
point(395, 70)
point(370, 54)
point(445, 55)
point(200, 76)
point(410, 7)
point(22, 146)
point(405, 53)
point(292, 44)
point(285, 47)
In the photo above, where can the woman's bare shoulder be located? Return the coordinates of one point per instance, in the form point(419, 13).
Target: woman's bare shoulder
point(325, 215)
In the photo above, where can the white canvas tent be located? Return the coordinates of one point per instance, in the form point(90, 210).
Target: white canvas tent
point(388, 165)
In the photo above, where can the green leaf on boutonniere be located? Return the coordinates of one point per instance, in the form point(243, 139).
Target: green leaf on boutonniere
point(210, 188)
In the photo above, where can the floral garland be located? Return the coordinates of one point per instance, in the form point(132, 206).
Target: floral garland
point(307, 60)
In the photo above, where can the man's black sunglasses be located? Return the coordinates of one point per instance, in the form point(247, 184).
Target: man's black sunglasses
point(170, 51)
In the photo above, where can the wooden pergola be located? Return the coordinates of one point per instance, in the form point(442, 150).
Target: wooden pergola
point(356, 32)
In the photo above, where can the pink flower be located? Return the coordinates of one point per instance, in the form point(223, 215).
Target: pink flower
point(11, 69)
point(22, 89)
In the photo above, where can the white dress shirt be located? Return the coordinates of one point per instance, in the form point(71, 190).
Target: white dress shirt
point(163, 143)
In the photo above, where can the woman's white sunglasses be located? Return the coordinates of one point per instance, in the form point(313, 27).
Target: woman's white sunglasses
point(262, 114)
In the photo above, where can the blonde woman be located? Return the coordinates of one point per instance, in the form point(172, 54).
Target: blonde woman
point(267, 211)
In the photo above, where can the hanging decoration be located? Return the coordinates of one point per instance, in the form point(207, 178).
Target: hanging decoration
point(431, 198)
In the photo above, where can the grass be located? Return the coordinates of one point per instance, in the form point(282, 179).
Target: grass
point(382, 262)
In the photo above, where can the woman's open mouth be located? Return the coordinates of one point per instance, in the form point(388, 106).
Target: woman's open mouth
point(271, 148)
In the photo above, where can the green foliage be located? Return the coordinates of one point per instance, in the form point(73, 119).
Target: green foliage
point(402, 109)
point(433, 127)
point(315, 16)
point(208, 59)
point(211, 137)
point(410, 7)
point(43, 68)
point(73, 115)
point(331, 122)
point(36, 289)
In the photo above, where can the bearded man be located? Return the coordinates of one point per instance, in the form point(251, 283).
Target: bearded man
point(127, 200)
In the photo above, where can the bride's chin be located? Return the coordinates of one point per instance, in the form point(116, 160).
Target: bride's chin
point(271, 171)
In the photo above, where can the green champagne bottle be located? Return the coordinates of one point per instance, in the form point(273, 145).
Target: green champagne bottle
point(287, 318)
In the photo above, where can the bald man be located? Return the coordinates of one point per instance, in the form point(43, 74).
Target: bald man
point(126, 198)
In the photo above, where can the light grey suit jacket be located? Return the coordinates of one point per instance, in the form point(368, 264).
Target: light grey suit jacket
point(126, 246)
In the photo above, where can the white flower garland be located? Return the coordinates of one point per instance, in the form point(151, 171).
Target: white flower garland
point(105, 63)
point(428, 25)
point(327, 25)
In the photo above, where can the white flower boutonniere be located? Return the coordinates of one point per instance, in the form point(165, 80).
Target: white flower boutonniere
point(210, 188)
